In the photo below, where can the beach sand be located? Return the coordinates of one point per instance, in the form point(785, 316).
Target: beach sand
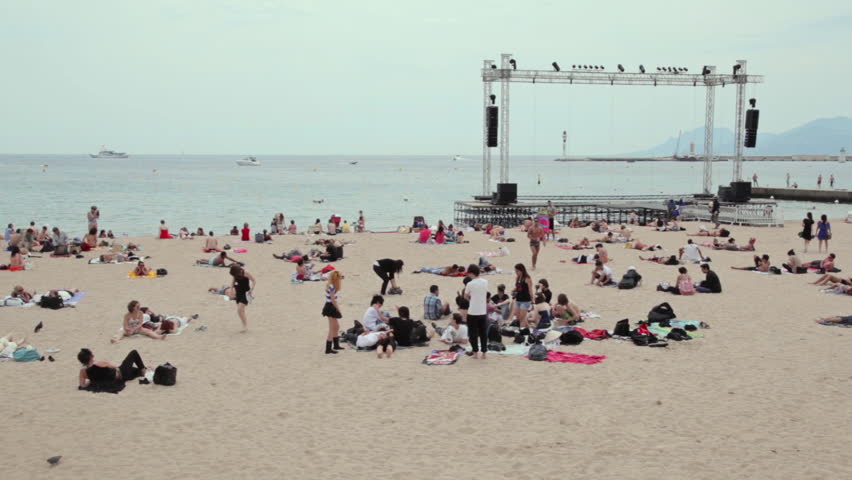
point(766, 393)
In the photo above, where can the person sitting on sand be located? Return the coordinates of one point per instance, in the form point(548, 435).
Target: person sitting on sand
point(164, 231)
point(141, 270)
point(575, 223)
point(292, 228)
point(90, 240)
point(761, 264)
point(683, 284)
point(602, 275)
point(374, 319)
point(16, 260)
point(134, 320)
point(670, 260)
point(316, 228)
point(501, 302)
point(217, 260)
point(110, 234)
point(603, 255)
point(407, 332)
point(19, 292)
point(565, 309)
point(43, 235)
point(455, 333)
point(433, 307)
point(794, 264)
point(183, 234)
point(825, 265)
point(303, 270)
point(541, 315)
point(690, 253)
point(625, 232)
point(245, 233)
point(211, 244)
point(704, 232)
point(711, 283)
point(632, 218)
point(234, 231)
point(104, 373)
point(838, 320)
point(226, 290)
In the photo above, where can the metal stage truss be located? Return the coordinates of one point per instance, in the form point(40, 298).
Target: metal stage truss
point(506, 73)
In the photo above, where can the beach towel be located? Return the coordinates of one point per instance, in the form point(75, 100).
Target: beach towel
point(208, 265)
point(588, 315)
point(151, 274)
point(97, 261)
point(441, 357)
point(597, 334)
point(566, 357)
point(662, 332)
point(313, 277)
point(75, 299)
point(240, 250)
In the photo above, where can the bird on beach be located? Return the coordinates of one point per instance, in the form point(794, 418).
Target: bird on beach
point(38, 327)
point(54, 461)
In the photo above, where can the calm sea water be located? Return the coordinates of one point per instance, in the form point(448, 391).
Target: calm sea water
point(211, 191)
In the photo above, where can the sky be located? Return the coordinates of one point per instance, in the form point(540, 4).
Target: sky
point(394, 76)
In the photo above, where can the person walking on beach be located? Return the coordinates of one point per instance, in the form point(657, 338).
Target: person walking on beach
point(823, 232)
point(754, 180)
point(244, 284)
point(385, 269)
point(807, 230)
point(522, 295)
point(331, 310)
point(476, 292)
point(831, 181)
point(819, 181)
point(93, 215)
point(714, 211)
point(551, 217)
point(361, 222)
point(536, 235)
point(788, 179)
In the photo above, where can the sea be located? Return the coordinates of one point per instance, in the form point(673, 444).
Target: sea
point(212, 192)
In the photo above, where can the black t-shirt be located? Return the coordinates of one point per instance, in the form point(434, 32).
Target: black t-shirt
point(387, 265)
point(712, 282)
point(548, 295)
point(498, 298)
point(402, 328)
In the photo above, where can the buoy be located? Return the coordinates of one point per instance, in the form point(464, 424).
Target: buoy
point(837, 201)
point(772, 197)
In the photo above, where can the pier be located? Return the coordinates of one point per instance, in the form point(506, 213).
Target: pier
point(803, 195)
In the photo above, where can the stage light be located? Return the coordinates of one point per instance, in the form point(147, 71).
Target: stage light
point(493, 99)
point(513, 64)
point(494, 67)
point(737, 68)
point(642, 68)
point(620, 68)
point(685, 69)
point(573, 66)
point(658, 69)
point(705, 70)
point(555, 66)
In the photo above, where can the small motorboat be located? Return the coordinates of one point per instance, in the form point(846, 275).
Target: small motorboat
point(248, 162)
point(353, 163)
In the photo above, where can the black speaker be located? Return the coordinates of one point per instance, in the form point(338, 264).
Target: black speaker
point(752, 117)
point(725, 194)
point(740, 191)
point(507, 193)
point(491, 122)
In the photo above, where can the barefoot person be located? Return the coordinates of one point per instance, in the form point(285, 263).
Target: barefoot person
point(807, 230)
point(823, 232)
point(105, 373)
point(134, 320)
point(93, 216)
point(523, 295)
point(331, 310)
point(536, 235)
point(476, 292)
point(244, 284)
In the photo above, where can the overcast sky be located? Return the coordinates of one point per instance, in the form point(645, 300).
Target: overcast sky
point(394, 76)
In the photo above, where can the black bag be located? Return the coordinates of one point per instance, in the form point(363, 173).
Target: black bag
point(494, 334)
point(571, 337)
point(53, 303)
point(622, 328)
point(162, 272)
point(661, 312)
point(629, 280)
point(165, 374)
point(538, 352)
point(258, 238)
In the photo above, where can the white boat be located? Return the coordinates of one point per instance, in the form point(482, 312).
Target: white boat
point(104, 153)
point(457, 158)
point(248, 162)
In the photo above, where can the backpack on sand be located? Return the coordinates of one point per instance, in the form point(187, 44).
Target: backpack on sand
point(165, 374)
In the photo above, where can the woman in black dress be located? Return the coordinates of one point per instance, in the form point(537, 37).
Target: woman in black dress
point(244, 284)
point(807, 230)
point(331, 310)
point(385, 269)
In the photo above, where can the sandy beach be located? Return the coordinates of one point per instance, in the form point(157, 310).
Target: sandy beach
point(765, 393)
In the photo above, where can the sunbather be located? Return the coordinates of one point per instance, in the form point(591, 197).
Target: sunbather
point(645, 247)
point(19, 292)
point(827, 278)
point(211, 244)
point(217, 261)
point(704, 232)
point(226, 290)
point(761, 264)
point(836, 320)
point(670, 260)
point(134, 320)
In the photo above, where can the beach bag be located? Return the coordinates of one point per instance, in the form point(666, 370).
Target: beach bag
point(775, 270)
point(53, 303)
point(629, 280)
point(494, 334)
point(572, 337)
point(538, 352)
point(165, 374)
point(622, 328)
point(258, 238)
point(162, 272)
point(661, 312)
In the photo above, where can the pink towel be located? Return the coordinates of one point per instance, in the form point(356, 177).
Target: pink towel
point(554, 356)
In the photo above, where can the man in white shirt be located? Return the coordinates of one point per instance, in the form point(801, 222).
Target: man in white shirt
point(373, 318)
point(456, 332)
point(602, 275)
point(476, 292)
point(690, 253)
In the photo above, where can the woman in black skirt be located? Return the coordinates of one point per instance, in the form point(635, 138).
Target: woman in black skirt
point(244, 284)
point(331, 310)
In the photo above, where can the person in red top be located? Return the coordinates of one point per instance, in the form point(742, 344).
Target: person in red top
point(164, 230)
point(246, 233)
point(440, 236)
point(424, 236)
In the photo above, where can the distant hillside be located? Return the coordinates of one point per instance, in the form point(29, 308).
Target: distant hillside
point(824, 136)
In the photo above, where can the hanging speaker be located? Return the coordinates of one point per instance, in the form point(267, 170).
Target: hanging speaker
point(752, 117)
point(491, 124)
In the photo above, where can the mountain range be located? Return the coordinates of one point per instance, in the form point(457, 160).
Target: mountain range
point(824, 136)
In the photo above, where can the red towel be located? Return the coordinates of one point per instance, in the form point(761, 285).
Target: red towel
point(566, 357)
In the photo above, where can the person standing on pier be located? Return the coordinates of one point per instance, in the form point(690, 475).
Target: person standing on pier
point(754, 180)
point(536, 235)
point(788, 179)
point(831, 180)
point(819, 181)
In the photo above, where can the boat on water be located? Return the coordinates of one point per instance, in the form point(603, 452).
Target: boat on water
point(353, 163)
point(104, 153)
point(457, 158)
point(248, 162)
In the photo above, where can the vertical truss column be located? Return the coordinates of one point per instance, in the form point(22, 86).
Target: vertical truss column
point(738, 134)
point(486, 152)
point(504, 116)
point(709, 113)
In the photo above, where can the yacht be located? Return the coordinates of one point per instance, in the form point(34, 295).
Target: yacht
point(104, 153)
point(248, 162)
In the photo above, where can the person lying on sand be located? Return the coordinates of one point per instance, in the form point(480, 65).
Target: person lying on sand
point(827, 278)
point(133, 323)
point(704, 232)
point(670, 260)
point(217, 261)
point(19, 292)
point(638, 245)
point(448, 271)
point(226, 290)
point(835, 320)
point(761, 264)
point(115, 257)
